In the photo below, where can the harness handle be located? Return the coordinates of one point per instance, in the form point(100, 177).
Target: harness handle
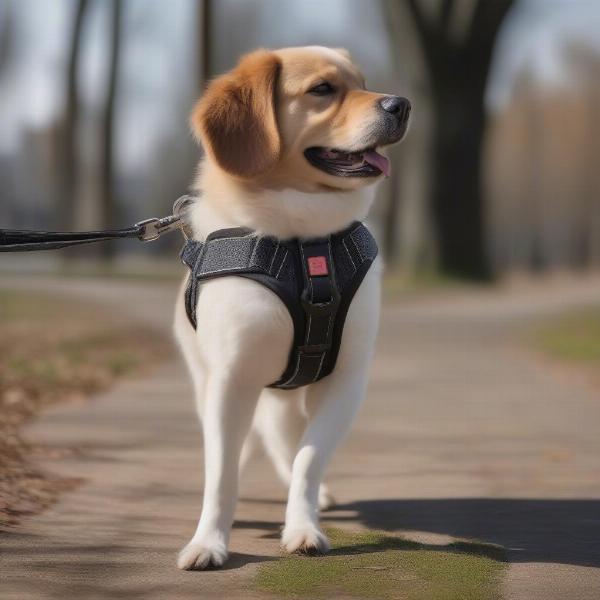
point(149, 230)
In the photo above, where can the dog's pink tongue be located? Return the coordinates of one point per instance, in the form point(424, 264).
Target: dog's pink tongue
point(378, 161)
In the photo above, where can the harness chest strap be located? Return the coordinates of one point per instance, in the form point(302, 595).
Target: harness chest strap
point(316, 279)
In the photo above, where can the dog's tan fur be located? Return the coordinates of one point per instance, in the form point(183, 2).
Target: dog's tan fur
point(256, 121)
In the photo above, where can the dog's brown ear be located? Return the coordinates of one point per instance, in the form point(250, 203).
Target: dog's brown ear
point(236, 119)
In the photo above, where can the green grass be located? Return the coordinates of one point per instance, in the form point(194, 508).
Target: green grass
point(573, 338)
point(380, 565)
point(401, 284)
point(25, 307)
point(53, 348)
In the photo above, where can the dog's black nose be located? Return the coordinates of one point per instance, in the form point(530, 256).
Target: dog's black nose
point(396, 105)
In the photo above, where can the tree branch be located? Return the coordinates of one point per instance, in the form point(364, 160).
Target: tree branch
point(434, 44)
point(488, 16)
point(477, 51)
point(423, 27)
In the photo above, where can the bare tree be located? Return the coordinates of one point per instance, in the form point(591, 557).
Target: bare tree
point(205, 11)
point(6, 36)
point(67, 135)
point(584, 61)
point(457, 47)
point(6, 46)
point(107, 194)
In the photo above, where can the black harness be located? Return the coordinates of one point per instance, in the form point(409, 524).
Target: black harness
point(316, 279)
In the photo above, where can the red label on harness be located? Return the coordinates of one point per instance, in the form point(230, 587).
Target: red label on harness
point(317, 265)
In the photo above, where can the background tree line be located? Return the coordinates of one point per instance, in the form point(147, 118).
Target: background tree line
point(474, 193)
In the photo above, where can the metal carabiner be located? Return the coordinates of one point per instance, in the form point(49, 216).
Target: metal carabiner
point(153, 228)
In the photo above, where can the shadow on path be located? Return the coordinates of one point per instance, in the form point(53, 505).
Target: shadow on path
point(531, 530)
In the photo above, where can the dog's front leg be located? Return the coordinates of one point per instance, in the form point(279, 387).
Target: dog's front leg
point(228, 411)
point(332, 405)
point(242, 339)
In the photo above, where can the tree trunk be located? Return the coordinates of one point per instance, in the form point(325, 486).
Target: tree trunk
point(205, 42)
point(68, 165)
point(458, 71)
point(108, 206)
point(456, 185)
point(6, 36)
point(390, 215)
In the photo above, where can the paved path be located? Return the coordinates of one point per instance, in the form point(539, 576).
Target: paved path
point(462, 435)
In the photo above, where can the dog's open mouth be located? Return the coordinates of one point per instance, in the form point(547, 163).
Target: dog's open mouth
point(366, 163)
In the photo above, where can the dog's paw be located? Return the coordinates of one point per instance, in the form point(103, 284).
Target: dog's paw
point(326, 500)
point(196, 556)
point(306, 540)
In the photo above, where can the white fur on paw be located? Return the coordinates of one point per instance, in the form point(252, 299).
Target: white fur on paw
point(199, 556)
point(307, 540)
point(326, 500)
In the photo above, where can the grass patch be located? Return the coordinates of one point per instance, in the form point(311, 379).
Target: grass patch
point(402, 284)
point(54, 350)
point(380, 565)
point(573, 338)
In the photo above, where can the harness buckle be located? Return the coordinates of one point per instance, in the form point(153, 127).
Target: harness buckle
point(321, 309)
point(314, 348)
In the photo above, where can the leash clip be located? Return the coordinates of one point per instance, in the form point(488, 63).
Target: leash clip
point(151, 229)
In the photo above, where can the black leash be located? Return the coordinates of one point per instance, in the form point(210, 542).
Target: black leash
point(23, 240)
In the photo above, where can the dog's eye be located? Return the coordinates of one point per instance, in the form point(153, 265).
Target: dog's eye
point(323, 89)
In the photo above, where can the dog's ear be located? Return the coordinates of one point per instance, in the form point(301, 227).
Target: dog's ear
point(236, 119)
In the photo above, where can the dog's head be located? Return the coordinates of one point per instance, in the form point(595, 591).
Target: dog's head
point(300, 118)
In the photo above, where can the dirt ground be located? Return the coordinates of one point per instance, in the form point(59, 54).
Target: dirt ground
point(462, 436)
point(52, 351)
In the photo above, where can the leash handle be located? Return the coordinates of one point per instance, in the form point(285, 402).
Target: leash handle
point(24, 240)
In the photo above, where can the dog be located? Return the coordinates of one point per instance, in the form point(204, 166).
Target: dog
point(290, 139)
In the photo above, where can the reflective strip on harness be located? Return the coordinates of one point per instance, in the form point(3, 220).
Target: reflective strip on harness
point(315, 279)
